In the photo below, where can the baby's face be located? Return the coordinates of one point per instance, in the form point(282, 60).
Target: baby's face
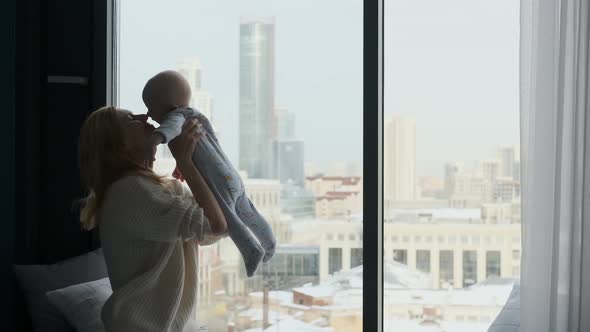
point(157, 113)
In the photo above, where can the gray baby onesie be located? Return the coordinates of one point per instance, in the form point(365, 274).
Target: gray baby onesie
point(250, 232)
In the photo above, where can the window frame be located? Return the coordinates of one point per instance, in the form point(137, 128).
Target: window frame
point(373, 255)
point(372, 235)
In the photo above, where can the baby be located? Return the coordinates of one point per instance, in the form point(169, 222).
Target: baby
point(167, 97)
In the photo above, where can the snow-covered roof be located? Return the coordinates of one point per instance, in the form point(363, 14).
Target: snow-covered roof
point(397, 275)
point(282, 297)
point(484, 294)
point(344, 285)
point(454, 214)
point(255, 314)
point(319, 291)
point(442, 326)
point(296, 325)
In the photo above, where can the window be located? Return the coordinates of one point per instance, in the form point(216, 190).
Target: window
point(334, 260)
point(516, 255)
point(464, 239)
point(356, 257)
point(493, 264)
point(475, 240)
point(451, 136)
point(446, 268)
point(400, 256)
point(290, 120)
point(423, 260)
point(469, 267)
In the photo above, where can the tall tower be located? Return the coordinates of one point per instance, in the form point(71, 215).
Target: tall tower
point(191, 69)
point(400, 158)
point(492, 169)
point(257, 85)
point(452, 170)
point(507, 156)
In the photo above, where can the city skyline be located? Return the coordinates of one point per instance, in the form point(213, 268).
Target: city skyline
point(309, 83)
point(307, 97)
point(300, 76)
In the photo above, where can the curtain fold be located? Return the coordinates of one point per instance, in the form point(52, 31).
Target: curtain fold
point(553, 101)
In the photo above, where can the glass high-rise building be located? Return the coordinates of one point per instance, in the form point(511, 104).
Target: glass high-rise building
point(257, 84)
point(287, 161)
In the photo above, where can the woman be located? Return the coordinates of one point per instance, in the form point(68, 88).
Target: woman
point(150, 227)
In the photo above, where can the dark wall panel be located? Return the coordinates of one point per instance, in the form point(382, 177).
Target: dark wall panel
point(51, 39)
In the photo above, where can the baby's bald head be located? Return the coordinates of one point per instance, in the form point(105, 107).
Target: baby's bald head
point(165, 91)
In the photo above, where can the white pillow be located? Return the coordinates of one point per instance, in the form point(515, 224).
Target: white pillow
point(81, 304)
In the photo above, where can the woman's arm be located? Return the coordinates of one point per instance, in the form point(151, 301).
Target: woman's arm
point(204, 196)
point(182, 149)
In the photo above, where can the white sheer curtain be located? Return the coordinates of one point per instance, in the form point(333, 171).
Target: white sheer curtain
point(554, 150)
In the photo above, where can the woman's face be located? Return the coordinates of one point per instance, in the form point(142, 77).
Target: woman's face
point(136, 131)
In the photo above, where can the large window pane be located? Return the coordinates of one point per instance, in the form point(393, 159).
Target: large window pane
point(493, 264)
point(451, 162)
point(281, 83)
point(469, 267)
point(400, 256)
point(335, 260)
point(423, 260)
point(447, 269)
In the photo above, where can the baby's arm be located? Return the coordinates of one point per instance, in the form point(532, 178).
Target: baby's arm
point(168, 130)
point(171, 126)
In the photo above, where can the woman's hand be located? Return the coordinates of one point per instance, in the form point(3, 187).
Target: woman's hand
point(182, 147)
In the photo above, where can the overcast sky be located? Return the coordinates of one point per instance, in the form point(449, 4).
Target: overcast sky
point(318, 63)
point(452, 64)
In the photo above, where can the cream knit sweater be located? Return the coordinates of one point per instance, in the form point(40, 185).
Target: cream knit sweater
point(150, 237)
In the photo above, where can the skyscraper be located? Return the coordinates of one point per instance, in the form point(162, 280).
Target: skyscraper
point(506, 156)
point(288, 161)
point(192, 71)
point(452, 170)
point(400, 158)
point(491, 169)
point(257, 60)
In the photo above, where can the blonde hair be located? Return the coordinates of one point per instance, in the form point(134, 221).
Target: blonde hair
point(103, 159)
